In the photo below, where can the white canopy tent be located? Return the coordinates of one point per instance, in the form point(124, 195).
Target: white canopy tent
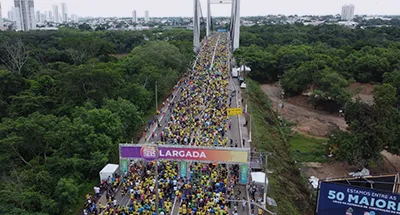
point(245, 68)
point(259, 177)
point(108, 170)
point(235, 72)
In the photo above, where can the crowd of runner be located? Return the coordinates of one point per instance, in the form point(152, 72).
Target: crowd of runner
point(201, 112)
point(198, 118)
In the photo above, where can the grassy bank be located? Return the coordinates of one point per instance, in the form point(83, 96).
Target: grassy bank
point(287, 186)
point(308, 149)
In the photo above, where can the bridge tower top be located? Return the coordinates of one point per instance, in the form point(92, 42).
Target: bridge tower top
point(234, 30)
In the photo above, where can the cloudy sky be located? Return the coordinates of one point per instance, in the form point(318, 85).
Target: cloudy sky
point(184, 7)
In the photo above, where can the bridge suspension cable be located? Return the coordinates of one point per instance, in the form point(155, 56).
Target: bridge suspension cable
point(198, 19)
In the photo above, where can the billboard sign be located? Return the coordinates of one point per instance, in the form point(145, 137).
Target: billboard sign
point(184, 153)
point(337, 199)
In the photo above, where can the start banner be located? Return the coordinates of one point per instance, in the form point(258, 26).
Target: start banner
point(334, 199)
point(183, 153)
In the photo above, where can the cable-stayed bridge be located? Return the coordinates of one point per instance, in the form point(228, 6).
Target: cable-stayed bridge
point(234, 28)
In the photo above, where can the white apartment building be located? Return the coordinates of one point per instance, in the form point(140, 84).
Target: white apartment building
point(38, 17)
point(25, 15)
point(347, 12)
point(1, 19)
point(74, 18)
point(64, 12)
point(49, 16)
point(146, 16)
point(10, 15)
point(42, 17)
point(56, 17)
point(134, 17)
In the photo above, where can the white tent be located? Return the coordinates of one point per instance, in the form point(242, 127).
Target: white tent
point(235, 72)
point(245, 68)
point(108, 170)
point(258, 177)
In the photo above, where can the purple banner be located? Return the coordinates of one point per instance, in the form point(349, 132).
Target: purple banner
point(169, 152)
point(130, 152)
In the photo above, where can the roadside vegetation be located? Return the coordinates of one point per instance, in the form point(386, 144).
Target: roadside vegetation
point(66, 104)
point(286, 184)
point(320, 62)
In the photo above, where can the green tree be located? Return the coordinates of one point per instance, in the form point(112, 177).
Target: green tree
point(262, 63)
point(103, 122)
point(370, 68)
point(128, 112)
point(359, 146)
point(10, 85)
point(387, 117)
point(371, 129)
point(27, 138)
point(85, 27)
point(331, 86)
point(292, 56)
point(88, 83)
point(66, 193)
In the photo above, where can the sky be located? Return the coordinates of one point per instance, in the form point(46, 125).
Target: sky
point(158, 8)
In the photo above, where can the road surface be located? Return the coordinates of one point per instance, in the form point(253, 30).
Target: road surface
point(238, 133)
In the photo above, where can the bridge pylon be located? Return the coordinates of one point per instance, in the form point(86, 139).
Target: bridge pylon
point(196, 26)
point(234, 30)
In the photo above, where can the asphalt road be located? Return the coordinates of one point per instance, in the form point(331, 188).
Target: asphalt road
point(237, 133)
point(165, 113)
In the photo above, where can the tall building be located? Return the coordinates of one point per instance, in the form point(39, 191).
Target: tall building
point(38, 18)
point(50, 16)
point(146, 16)
point(64, 12)
point(134, 17)
point(14, 14)
point(25, 15)
point(1, 19)
point(42, 17)
point(347, 12)
point(10, 15)
point(56, 18)
point(74, 18)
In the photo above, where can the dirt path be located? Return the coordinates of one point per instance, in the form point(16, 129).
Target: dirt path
point(315, 123)
point(391, 164)
point(307, 120)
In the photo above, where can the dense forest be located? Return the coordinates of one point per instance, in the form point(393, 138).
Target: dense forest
point(66, 102)
point(321, 62)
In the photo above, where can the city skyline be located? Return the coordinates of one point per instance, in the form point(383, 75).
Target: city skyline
point(25, 15)
point(158, 8)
